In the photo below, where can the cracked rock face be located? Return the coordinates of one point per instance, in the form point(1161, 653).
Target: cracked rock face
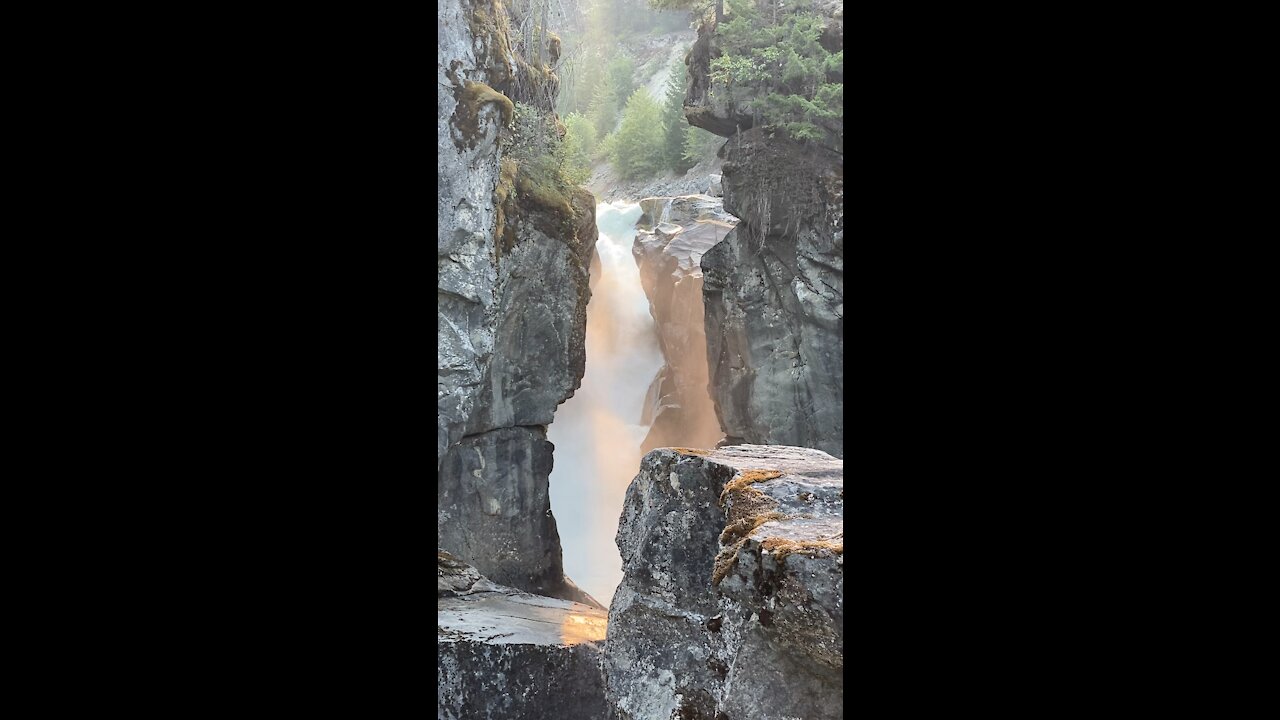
point(732, 600)
point(511, 321)
point(673, 235)
point(505, 654)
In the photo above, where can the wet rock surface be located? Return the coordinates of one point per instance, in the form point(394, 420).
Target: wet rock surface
point(506, 655)
point(674, 232)
point(493, 505)
point(732, 600)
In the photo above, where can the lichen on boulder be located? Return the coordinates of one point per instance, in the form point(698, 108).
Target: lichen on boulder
point(732, 596)
point(472, 98)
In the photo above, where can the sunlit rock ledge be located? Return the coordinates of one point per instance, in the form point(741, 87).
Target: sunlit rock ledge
point(507, 654)
point(732, 598)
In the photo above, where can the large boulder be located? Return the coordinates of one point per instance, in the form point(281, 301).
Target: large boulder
point(732, 599)
point(509, 655)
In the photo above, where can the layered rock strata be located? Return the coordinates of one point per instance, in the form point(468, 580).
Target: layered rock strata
point(732, 599)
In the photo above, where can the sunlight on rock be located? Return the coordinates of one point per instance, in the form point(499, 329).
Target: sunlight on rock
point(579, 628)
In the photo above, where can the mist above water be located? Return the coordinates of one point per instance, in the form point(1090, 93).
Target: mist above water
point(596, 432)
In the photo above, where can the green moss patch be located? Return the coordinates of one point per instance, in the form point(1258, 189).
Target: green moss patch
point(489, 25)
point(466, 116)
point(505, 236)
point(539, 186)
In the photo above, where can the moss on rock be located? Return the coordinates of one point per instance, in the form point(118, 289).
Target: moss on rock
point(489, 26)
point(553, 47)
point(747, 509)
point(782, 547)
point(745, 478)
point(540, 187)
point(472, 98)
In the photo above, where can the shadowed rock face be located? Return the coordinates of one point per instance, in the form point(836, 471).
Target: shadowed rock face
point(673, 235)
point(732, 600)
point(492, 503)
point(773, 293)
point(505, 654)
point(512, 293)
point(773, 289)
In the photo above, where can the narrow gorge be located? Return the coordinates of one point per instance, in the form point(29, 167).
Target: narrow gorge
point(639, 402)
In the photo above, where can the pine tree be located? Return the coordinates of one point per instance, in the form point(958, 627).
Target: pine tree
point(636, 148)
point(697, 144)
point(773, 65)
point(673, 121)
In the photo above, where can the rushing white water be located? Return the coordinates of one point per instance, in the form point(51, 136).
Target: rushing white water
point(596, 432)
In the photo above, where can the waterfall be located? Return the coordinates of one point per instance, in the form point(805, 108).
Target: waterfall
point(666, 211)
point(596, 432)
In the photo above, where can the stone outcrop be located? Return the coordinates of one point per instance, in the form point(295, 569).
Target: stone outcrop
point(773, 290)
point(673, 234)
point(509, 655)
point(732, 599)
point(512, 259)
point(702, 108)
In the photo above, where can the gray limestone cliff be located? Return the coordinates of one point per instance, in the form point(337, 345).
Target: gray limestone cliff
point(673, 233)
point(773, 290)
point(732, 598)
point(513, 255)
point(503, 654)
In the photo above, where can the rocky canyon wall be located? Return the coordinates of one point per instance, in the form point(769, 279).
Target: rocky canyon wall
point(513, 252)
point(773, 289)
point(673, 233)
